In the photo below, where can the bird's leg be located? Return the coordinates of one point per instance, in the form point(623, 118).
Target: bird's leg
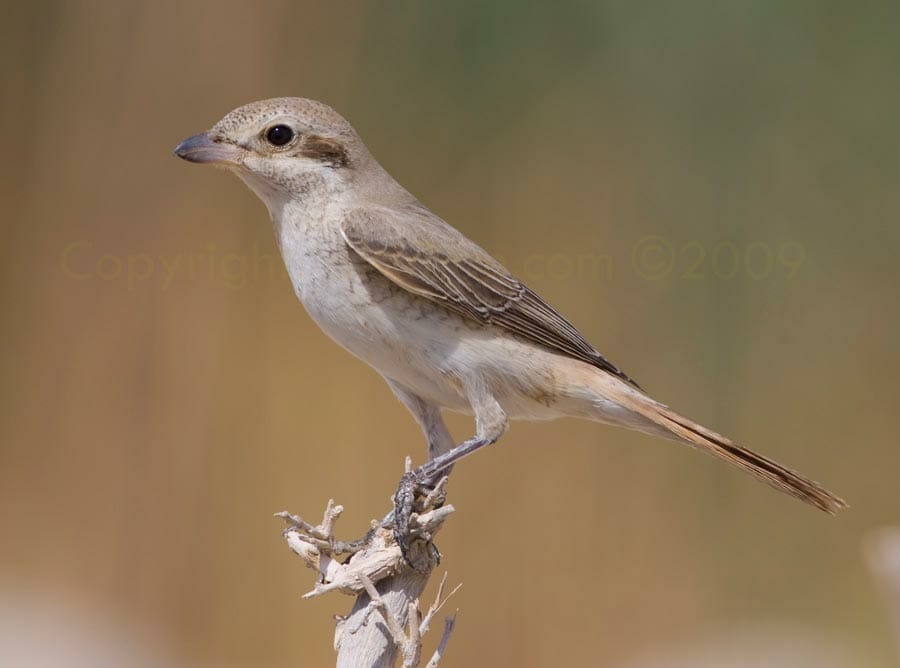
point(490, 421)
point(428, 417)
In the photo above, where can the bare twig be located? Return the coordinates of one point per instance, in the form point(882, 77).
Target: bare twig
point(449, 625)
point(436, 496)
point(377, 574)
point(439, 601)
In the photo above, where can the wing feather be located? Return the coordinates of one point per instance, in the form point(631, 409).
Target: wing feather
point(424, 255)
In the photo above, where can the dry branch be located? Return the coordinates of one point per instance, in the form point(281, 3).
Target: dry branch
point(386, 623)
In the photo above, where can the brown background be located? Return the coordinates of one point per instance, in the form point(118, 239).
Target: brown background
point(163, 393)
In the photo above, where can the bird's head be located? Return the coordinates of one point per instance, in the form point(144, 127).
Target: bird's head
point(280, 147)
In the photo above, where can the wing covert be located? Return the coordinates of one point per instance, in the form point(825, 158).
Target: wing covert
point(424, 255)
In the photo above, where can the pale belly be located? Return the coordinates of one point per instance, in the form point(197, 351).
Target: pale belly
point(421, 345)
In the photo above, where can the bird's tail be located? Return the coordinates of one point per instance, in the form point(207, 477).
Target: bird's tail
point(662, 420)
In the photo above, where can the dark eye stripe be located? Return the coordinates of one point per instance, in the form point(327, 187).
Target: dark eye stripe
point(327, 150)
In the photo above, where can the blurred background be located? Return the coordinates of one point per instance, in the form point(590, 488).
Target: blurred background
point(707, 189)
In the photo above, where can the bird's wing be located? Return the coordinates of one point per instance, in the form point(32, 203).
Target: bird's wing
point(424, 255)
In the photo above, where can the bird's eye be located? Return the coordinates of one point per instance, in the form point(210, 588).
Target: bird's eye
point(279, 135)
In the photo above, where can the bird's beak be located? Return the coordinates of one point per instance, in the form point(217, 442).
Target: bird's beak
point(207, 149)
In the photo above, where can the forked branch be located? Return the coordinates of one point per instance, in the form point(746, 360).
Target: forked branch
point(386, 622)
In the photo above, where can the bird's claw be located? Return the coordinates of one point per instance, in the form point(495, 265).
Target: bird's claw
point(413, 486)
point(404, 501)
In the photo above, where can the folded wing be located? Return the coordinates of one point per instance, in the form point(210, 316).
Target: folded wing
point(424, 255)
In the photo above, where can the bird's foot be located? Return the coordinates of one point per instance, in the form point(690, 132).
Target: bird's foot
point(416, 493)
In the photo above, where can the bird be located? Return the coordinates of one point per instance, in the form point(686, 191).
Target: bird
point(446, 325)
